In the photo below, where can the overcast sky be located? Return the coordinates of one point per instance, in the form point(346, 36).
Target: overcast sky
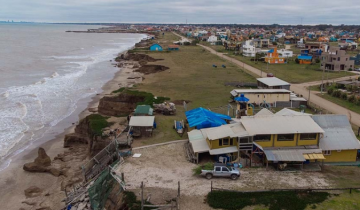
point(177, 11)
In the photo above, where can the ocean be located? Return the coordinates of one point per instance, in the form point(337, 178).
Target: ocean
point(45, 73)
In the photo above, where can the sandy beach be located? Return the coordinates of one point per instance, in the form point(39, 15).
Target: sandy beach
point(14, 180)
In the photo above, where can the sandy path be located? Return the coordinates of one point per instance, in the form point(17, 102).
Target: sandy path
point(300, 88)
point(163, 166)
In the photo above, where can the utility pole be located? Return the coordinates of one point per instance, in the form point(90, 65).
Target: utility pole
point(322, 81)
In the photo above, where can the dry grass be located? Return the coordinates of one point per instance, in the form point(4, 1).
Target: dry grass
point(190, 77)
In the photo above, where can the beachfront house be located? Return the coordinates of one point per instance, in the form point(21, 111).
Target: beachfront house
point(338, 143)
point(142, 126)
point(278, 139)
point(156, 47)
point(248, 49)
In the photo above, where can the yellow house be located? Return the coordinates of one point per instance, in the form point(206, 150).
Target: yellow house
point(284, 138)
point(220, 141)
point(339, 143)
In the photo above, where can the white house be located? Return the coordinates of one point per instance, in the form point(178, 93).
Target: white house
point(285, 53)
point(212, 38)
point(249, 49)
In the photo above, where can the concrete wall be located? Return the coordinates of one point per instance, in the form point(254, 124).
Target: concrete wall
point(341, 156)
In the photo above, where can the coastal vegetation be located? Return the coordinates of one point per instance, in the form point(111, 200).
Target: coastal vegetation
point(287, 200)
point(97, 123)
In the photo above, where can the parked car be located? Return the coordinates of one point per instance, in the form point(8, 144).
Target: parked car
point(357, 69)
point(270, 75)
point(221, 170)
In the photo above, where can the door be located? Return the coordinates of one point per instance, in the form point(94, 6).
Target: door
point(225, 172)
point(217, 171)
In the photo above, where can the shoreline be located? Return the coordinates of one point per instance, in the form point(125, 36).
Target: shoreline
point(15, 180)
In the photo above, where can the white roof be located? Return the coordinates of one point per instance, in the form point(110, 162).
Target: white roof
point(142, 121)
point(228, 130)
point(198, 141)
point(264, 111)
point(289, 112)
point(338, 133)
point(224, 150)
point(272, 81)
point(275, 124)
point(238, 91)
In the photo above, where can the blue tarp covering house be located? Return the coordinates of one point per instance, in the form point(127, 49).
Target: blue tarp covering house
point(203, 118)
point(271, 51)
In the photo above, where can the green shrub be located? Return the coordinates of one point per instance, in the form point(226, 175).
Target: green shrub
point(330, 90)
point(132, 203)
point(119, 90)
point(206, 166)
point(297, 60)
point(351, 98)
point(287, 200)
point(97, 123)
point(149, 98)
point(317, 60)
point(336, 93)
point(350, 69)
point(344, 96)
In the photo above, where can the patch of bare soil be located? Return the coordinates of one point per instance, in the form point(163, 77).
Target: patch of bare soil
point(150, 69)
point(180, 102)
point(163, 166)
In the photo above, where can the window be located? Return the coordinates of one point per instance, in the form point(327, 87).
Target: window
point(220, 142)
point(217, 168)
point(327, 152)
point(308, 136)
point(225, 169)
point(338, 58)
point(231, 142)
point(225, 141)
point(262, 138)
point(346, 59)
point(285, 137)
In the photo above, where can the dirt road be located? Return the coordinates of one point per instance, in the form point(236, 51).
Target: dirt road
point(300, 89)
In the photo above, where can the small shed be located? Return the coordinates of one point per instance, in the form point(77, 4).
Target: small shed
point(142, 125)
point(304, 59)
point(143, 110)
point(156, 47)
point(173, 47)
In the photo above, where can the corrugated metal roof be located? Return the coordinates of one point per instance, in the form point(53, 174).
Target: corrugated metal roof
point(229, 130)
point(275, 124)
point(272, 81)
point(224, 150)
point(338, 133)
point(284, 155)
point(264, 111)
point(304, 57)
point(200, 146)
point(245, 91)
point(142, 121)
point(289, 112)
point(195, 135)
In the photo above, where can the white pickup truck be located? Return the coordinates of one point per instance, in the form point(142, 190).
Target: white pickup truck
point(221, 170)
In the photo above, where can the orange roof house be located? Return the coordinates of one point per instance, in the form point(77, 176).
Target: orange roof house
point(323, 39)
point(273, 57)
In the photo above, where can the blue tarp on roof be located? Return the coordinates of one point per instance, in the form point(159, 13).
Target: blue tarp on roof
point(242, 98)
point(203, 118)
point(304, 57)
point(271, 51)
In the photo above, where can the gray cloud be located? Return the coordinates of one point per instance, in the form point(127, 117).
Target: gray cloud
point(177, 11)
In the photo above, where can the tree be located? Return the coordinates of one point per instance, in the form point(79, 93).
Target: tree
point(344, 96)
point(274, 43)
point(297, 60)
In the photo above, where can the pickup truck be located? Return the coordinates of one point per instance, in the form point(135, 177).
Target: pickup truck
point(221, 170)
